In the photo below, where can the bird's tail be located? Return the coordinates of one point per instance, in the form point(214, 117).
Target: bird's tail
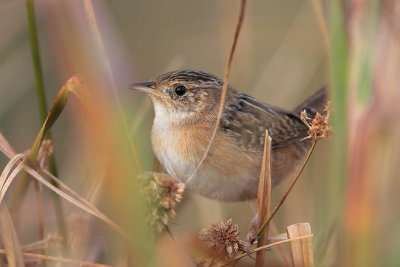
point(314, 103)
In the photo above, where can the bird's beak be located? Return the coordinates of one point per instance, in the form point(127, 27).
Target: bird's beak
point(146, 87)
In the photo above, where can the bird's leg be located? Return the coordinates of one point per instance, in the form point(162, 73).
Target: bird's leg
point(251, 233)
point(253, 228)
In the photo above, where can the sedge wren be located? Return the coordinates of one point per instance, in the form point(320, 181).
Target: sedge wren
point(186, 105)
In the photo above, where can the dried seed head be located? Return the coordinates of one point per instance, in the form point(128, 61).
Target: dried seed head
point(171, 191)
point(319, 126)
point(223, 238)
point(161, 193)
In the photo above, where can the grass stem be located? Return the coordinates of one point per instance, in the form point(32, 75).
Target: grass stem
point(40, 92)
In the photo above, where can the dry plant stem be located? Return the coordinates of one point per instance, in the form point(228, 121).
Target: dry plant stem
point(264, 247)
point(225, 85)
point(264, 198)
point(64, 260)
point(288, 190)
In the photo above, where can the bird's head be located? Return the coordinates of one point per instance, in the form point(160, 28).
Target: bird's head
point(183, 96)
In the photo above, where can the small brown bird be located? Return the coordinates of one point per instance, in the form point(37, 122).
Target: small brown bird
point(186, 105)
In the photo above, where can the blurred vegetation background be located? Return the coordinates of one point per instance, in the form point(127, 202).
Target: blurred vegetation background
point(287, 49)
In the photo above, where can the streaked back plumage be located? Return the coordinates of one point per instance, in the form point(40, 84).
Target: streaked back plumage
point(184, 124)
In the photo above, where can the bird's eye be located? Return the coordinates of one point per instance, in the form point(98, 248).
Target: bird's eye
point(180, 90)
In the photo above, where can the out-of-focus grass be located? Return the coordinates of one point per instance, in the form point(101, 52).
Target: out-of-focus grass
point(339, 162)
point(365, 56)
point(339, 66)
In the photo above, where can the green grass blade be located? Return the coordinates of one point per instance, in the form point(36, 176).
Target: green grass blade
point(37, 66)
point(40, 92)
point(55, 111)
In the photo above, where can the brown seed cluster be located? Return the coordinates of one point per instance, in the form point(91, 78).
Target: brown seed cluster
point(161, 193)
point(223, 239)
point(319, 126)
point(171, 192)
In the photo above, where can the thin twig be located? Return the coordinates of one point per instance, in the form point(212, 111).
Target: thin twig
point(288, 190)
point(224, 86)
point(265, 247)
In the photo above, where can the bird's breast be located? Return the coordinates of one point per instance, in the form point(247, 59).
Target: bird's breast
point(179, 148)
point(226, 174)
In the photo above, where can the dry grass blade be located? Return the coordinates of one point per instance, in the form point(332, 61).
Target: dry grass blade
point(6, 177)
point(265, 247)
point(300, 250)
point(285, 195)
point(80, 202)
point(58, 259)
point(9, 238)
point(10, 165)
point(264, 197)
point(224, 86)
point(5, 147)
point(58, 105)
point(86, 206)
point(69, 190)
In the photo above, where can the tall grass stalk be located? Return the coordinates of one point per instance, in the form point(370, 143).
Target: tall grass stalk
point(40, 92)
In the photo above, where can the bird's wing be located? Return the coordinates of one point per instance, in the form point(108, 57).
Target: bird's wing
point(245, 121)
